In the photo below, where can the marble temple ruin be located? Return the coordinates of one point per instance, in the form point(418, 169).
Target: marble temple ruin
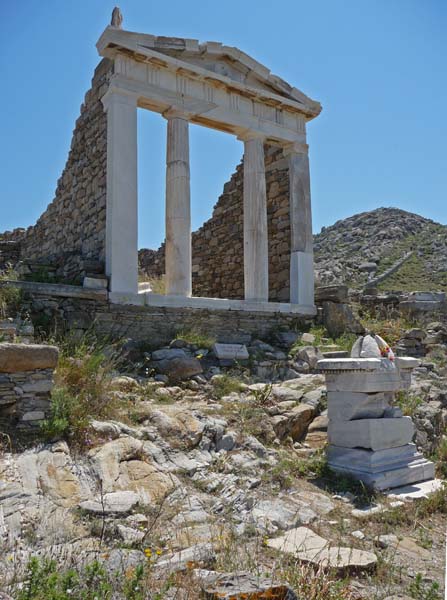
point(91, 225)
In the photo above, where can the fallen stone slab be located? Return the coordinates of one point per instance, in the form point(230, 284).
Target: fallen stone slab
point(423, 489)
point(308, 547)
point(27, 357)
point(230, 352)
point(241, 585)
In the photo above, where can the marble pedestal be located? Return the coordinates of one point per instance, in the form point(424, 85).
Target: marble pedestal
point(368, 439)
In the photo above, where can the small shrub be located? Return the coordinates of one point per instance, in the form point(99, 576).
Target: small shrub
point(45, 581)
point(290, 468)
point(262, 396)
point(197, 338)
point(82, 388)
point(420, 590)
point(408, 403)
point(10, 295)
point(225, 384)
point(434, 503)
point(314, 584)
point(61, 417)
point(440, 458)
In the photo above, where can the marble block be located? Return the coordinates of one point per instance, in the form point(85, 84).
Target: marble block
point(367, 382)
point(345, 406)
point(374, 434)
point(415, 471)
point(231, 351)
point(359, 459)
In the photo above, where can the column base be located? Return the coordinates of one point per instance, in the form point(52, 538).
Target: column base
point(382, 469)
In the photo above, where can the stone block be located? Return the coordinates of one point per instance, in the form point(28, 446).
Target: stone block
point(231, 351)
point(34, 415)
point(331, 293)
point(96, 283)
point(346, 406)
point(374, 434)
point(368, 382)
point(416, 471)
point(370, 461)
point(37, 387)
point(27, 357)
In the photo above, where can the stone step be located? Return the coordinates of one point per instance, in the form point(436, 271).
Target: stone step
point(420, 470)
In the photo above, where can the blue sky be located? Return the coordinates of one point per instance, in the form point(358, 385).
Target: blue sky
point(377, 66)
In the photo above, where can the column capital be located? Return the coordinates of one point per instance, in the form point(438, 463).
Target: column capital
point(175, 112)
point(248, 135)
point(295, 148)
point(119, 95)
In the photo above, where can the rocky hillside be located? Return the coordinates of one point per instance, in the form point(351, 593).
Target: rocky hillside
point(388, 248)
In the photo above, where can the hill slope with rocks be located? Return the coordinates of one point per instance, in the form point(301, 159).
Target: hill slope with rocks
point(387, 248)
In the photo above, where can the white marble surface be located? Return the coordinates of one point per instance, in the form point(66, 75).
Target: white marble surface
point(345, 406)
point(256, 274)
point(375, 381)
point(230, 351)
point(374, 434)
point(122, 198)
point(178, 208)
point(150, 299)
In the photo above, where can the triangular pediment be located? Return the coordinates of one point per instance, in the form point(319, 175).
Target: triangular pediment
point(226, 62)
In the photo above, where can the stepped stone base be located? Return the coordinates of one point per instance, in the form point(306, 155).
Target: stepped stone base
point(383, 469)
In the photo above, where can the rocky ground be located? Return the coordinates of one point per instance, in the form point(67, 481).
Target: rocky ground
point(364, 246)
point(208, 469)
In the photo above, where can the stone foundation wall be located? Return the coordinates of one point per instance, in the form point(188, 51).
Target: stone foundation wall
point(77, 310)
point(217, 247)
point(26, 380)
point(70, 234)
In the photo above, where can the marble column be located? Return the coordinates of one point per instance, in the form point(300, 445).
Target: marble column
point(122, 197)
point(256, 268)
point(178, 207)
point(301, 240)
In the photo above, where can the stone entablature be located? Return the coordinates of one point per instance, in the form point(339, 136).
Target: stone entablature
point(26, 381)
point(220, 86)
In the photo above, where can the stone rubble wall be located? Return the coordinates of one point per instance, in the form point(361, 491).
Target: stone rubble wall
point(70, 234)
point(26, 381)
point(9, 254)
point(217, 247)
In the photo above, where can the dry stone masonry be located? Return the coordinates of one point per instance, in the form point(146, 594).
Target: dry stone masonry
point(26, 381)
point(69, 237)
